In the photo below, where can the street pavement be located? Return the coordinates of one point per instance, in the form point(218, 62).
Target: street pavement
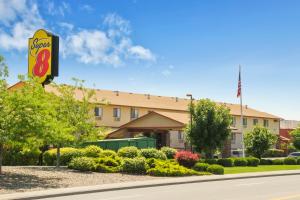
point(267, 188)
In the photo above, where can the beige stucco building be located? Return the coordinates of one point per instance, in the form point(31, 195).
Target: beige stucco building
point(129, 114)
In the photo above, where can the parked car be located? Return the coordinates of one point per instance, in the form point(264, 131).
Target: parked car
point(294, 154)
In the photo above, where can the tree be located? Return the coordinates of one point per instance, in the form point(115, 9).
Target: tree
point(259, 140)
point(296, 138)
point(210, 126)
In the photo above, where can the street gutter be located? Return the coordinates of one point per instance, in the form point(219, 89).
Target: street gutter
point(140, 184)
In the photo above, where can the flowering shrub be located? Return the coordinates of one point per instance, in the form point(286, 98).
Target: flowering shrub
point(186, 158)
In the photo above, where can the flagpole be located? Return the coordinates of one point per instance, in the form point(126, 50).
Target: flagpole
point(242, 116)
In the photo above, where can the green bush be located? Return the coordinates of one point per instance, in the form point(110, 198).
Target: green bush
point(169, 152)
point(272, 153)
point(66, 155)
point(265, 162)
point(201, 167)
point(240, 162)
point(134, 166)
point(211, 161)
point(170, 168)
point(277, 162)
point(108, 165)
point(153, 153)
point(92, 151)
point(108, 153)
point(298, 160)
point(18, 156)
point(225, 162)
point(252, 161)
point(128, 152)
point(82, 164)
point(290, 161)
point(216, 169)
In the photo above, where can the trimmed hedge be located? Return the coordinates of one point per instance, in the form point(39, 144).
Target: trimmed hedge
point(225, 162)
point(298, 161)
point(265, 162)
point(108, 153)
point(17, 156)
point(169, 152)
point(240, 162)
point(83, 164)
point(252, 161)
point(201, 167)
point(134, 166)
point(271, 153)
point(216, 169)
point(108, 165)
point(66, 155)
point(92, 151)
point(128, 152)
point(153, 153)
point(290, 161)
point(211, 161)
point(277, 162)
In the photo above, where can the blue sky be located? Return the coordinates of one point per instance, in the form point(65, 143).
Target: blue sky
point(168, 47)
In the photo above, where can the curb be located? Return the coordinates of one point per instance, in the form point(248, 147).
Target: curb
point(139, 184)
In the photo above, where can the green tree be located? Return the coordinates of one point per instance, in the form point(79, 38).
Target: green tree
point(296, 138)
point(259, 140)
point(210, 126)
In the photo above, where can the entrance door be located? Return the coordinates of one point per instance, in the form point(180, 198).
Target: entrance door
point(161, 140)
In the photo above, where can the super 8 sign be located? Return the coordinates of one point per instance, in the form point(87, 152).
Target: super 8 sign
point(43, 50)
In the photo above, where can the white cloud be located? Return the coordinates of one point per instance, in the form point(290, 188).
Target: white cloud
point(66, 25)
point(17, 33)
point(166, 72)
point(87, 8)
point(141, 53)
point(60, 8)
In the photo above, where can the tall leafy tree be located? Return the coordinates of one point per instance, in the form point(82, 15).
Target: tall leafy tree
point(296, 138)
point(210, 126)
point(259, 140)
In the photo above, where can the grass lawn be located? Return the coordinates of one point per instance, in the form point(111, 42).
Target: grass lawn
point(261, 168)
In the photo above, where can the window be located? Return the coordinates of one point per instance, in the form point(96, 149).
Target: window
point(245, 122)
point(255, 122)
point(98, 112)
point(266, 123)
point(134, 113)
point(233, 122)
point(180, 135)
point(233, 138)
point(117, 113)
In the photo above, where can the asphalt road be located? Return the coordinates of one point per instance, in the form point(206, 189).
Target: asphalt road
point(271, 188)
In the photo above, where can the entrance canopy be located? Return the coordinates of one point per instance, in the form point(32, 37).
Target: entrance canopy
point(152, 122)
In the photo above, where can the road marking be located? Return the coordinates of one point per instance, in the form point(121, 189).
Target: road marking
point(295, 197)
point(123, 197)
point(250, 184)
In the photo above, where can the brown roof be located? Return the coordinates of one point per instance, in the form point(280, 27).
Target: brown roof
point(158, 102)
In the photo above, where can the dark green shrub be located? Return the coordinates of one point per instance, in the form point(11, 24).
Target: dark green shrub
point(216, 169)
point(128, 152)
point(108, 165)
point(271, 153)
point(277, 162)
point(82, 164)
point(290, 161)
point(225, 162)
point(298, 161)
point(151, 162)
point(265, 162)
point(66, 155)
point(169, 152)
point(201, 167)
point(92, 151)
point(252, 161)
point(108, 153)
point(153, 153)
point(14, 156)
point(134, 166)
point(240, 162)
point(211, 161)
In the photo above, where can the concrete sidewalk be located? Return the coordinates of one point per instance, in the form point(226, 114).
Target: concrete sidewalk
point(141, 184)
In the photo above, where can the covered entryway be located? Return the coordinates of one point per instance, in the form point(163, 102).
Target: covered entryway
point(154, 124)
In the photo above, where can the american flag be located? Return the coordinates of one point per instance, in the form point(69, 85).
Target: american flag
point(239, 92)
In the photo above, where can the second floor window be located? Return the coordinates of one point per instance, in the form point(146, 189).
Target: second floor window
point(134, 113)
point(266, 123)
point(117, 113)
point(245, 123)
point(233, 122)
point(255, 122)
point(98, 112)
